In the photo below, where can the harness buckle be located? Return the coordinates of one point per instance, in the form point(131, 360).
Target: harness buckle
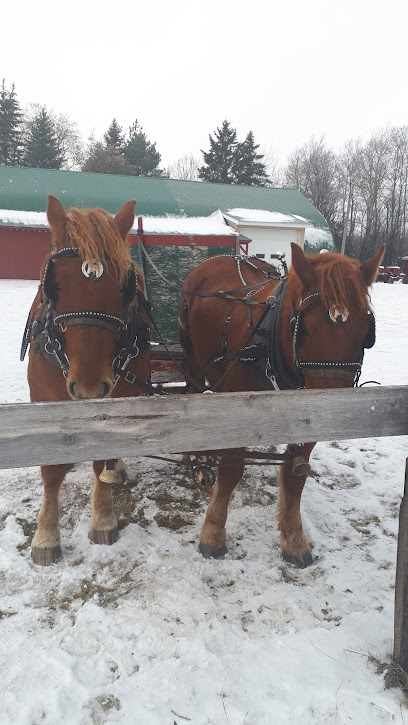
point(130, 378)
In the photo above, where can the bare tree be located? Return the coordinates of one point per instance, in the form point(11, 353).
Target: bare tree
point(347, 208)
point(70, 142)
point(373, 162)
point(274, 170)
point(185, 168)
point(312, 168)
point(396, 185)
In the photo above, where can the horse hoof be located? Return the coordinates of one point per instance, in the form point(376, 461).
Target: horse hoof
point(212, 552)
point(46, 555)
point(299, 561)
point(104, 537)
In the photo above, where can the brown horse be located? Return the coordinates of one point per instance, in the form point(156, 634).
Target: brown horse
point(88, 334)
point(308, 330)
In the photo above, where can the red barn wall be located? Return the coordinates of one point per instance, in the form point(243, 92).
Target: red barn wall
point(22, 252)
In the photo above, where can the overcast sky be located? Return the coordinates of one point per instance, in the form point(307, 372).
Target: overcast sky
point(285, 69)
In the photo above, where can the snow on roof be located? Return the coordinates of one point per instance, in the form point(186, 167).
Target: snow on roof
point(23, 218)
point(205, 226)
point(257, 216)
point(315, 237)
point(209, 225)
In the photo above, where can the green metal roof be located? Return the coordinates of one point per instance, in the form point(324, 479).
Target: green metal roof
point(27, 189)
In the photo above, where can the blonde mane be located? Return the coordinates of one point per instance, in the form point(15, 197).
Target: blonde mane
point(338, 278)
point(95, 234)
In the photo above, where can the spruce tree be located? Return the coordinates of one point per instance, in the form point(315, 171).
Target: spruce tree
point(248, 166)
point(141, 155)
point(220, 159)
point(105, 160)
point(41, 145)
point(10, 127)
point(114, 136)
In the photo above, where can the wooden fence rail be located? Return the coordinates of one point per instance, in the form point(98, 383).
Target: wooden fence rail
point(67, 432)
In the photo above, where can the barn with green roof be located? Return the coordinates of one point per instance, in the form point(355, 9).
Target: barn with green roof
point(179, 222)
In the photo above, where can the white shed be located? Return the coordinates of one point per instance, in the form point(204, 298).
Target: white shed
point(273, 232)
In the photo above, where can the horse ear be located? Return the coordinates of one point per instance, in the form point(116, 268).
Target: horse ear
point(57, 216)
point(125, 217)
point(370, 268)
point(303, 267)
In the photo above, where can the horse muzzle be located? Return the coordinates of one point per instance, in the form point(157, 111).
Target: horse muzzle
point(81, 391)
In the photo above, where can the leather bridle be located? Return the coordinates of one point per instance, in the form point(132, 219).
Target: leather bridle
point(131, 331)
point(349, 371)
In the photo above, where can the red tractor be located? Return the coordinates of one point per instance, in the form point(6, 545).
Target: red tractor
point(391, 274)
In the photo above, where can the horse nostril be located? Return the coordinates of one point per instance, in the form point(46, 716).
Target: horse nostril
point(71, 389)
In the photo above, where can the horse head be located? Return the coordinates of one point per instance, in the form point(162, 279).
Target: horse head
point(331, 314)
point(90, 281)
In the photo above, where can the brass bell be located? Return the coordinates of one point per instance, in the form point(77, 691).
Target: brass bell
point(300, 467)
point(113, 471)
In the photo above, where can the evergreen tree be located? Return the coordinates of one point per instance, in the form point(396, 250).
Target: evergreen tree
point(114, 136)
point(141, 155)
point(220, 160)
point(10, 127)
point(249, 168)
point(41, 145)
point(105, 160)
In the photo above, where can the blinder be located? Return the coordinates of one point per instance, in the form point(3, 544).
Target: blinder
point(130, 288)
point(49, 284)
point(369, 339)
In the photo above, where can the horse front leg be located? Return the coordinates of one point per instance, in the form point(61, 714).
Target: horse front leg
point(213, 536)
point(295, 546)
point(104, 529)
point(46, 544)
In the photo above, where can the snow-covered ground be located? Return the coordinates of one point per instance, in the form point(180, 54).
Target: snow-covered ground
point(147, 632)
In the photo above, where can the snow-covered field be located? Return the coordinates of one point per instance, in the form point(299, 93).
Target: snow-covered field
point(149, 633)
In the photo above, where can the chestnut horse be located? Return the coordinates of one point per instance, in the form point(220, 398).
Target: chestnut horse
point(308, 330)
point(88, 334)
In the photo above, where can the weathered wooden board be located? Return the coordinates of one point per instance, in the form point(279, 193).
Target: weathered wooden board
point(400, 655)
point(46, 433)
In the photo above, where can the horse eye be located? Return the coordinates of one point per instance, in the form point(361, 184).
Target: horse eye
point(303, 332)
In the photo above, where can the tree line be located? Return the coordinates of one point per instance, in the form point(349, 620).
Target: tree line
point(39, 138)
point(361, 189)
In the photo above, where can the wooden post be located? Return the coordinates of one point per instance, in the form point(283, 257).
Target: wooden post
point(400, 656)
